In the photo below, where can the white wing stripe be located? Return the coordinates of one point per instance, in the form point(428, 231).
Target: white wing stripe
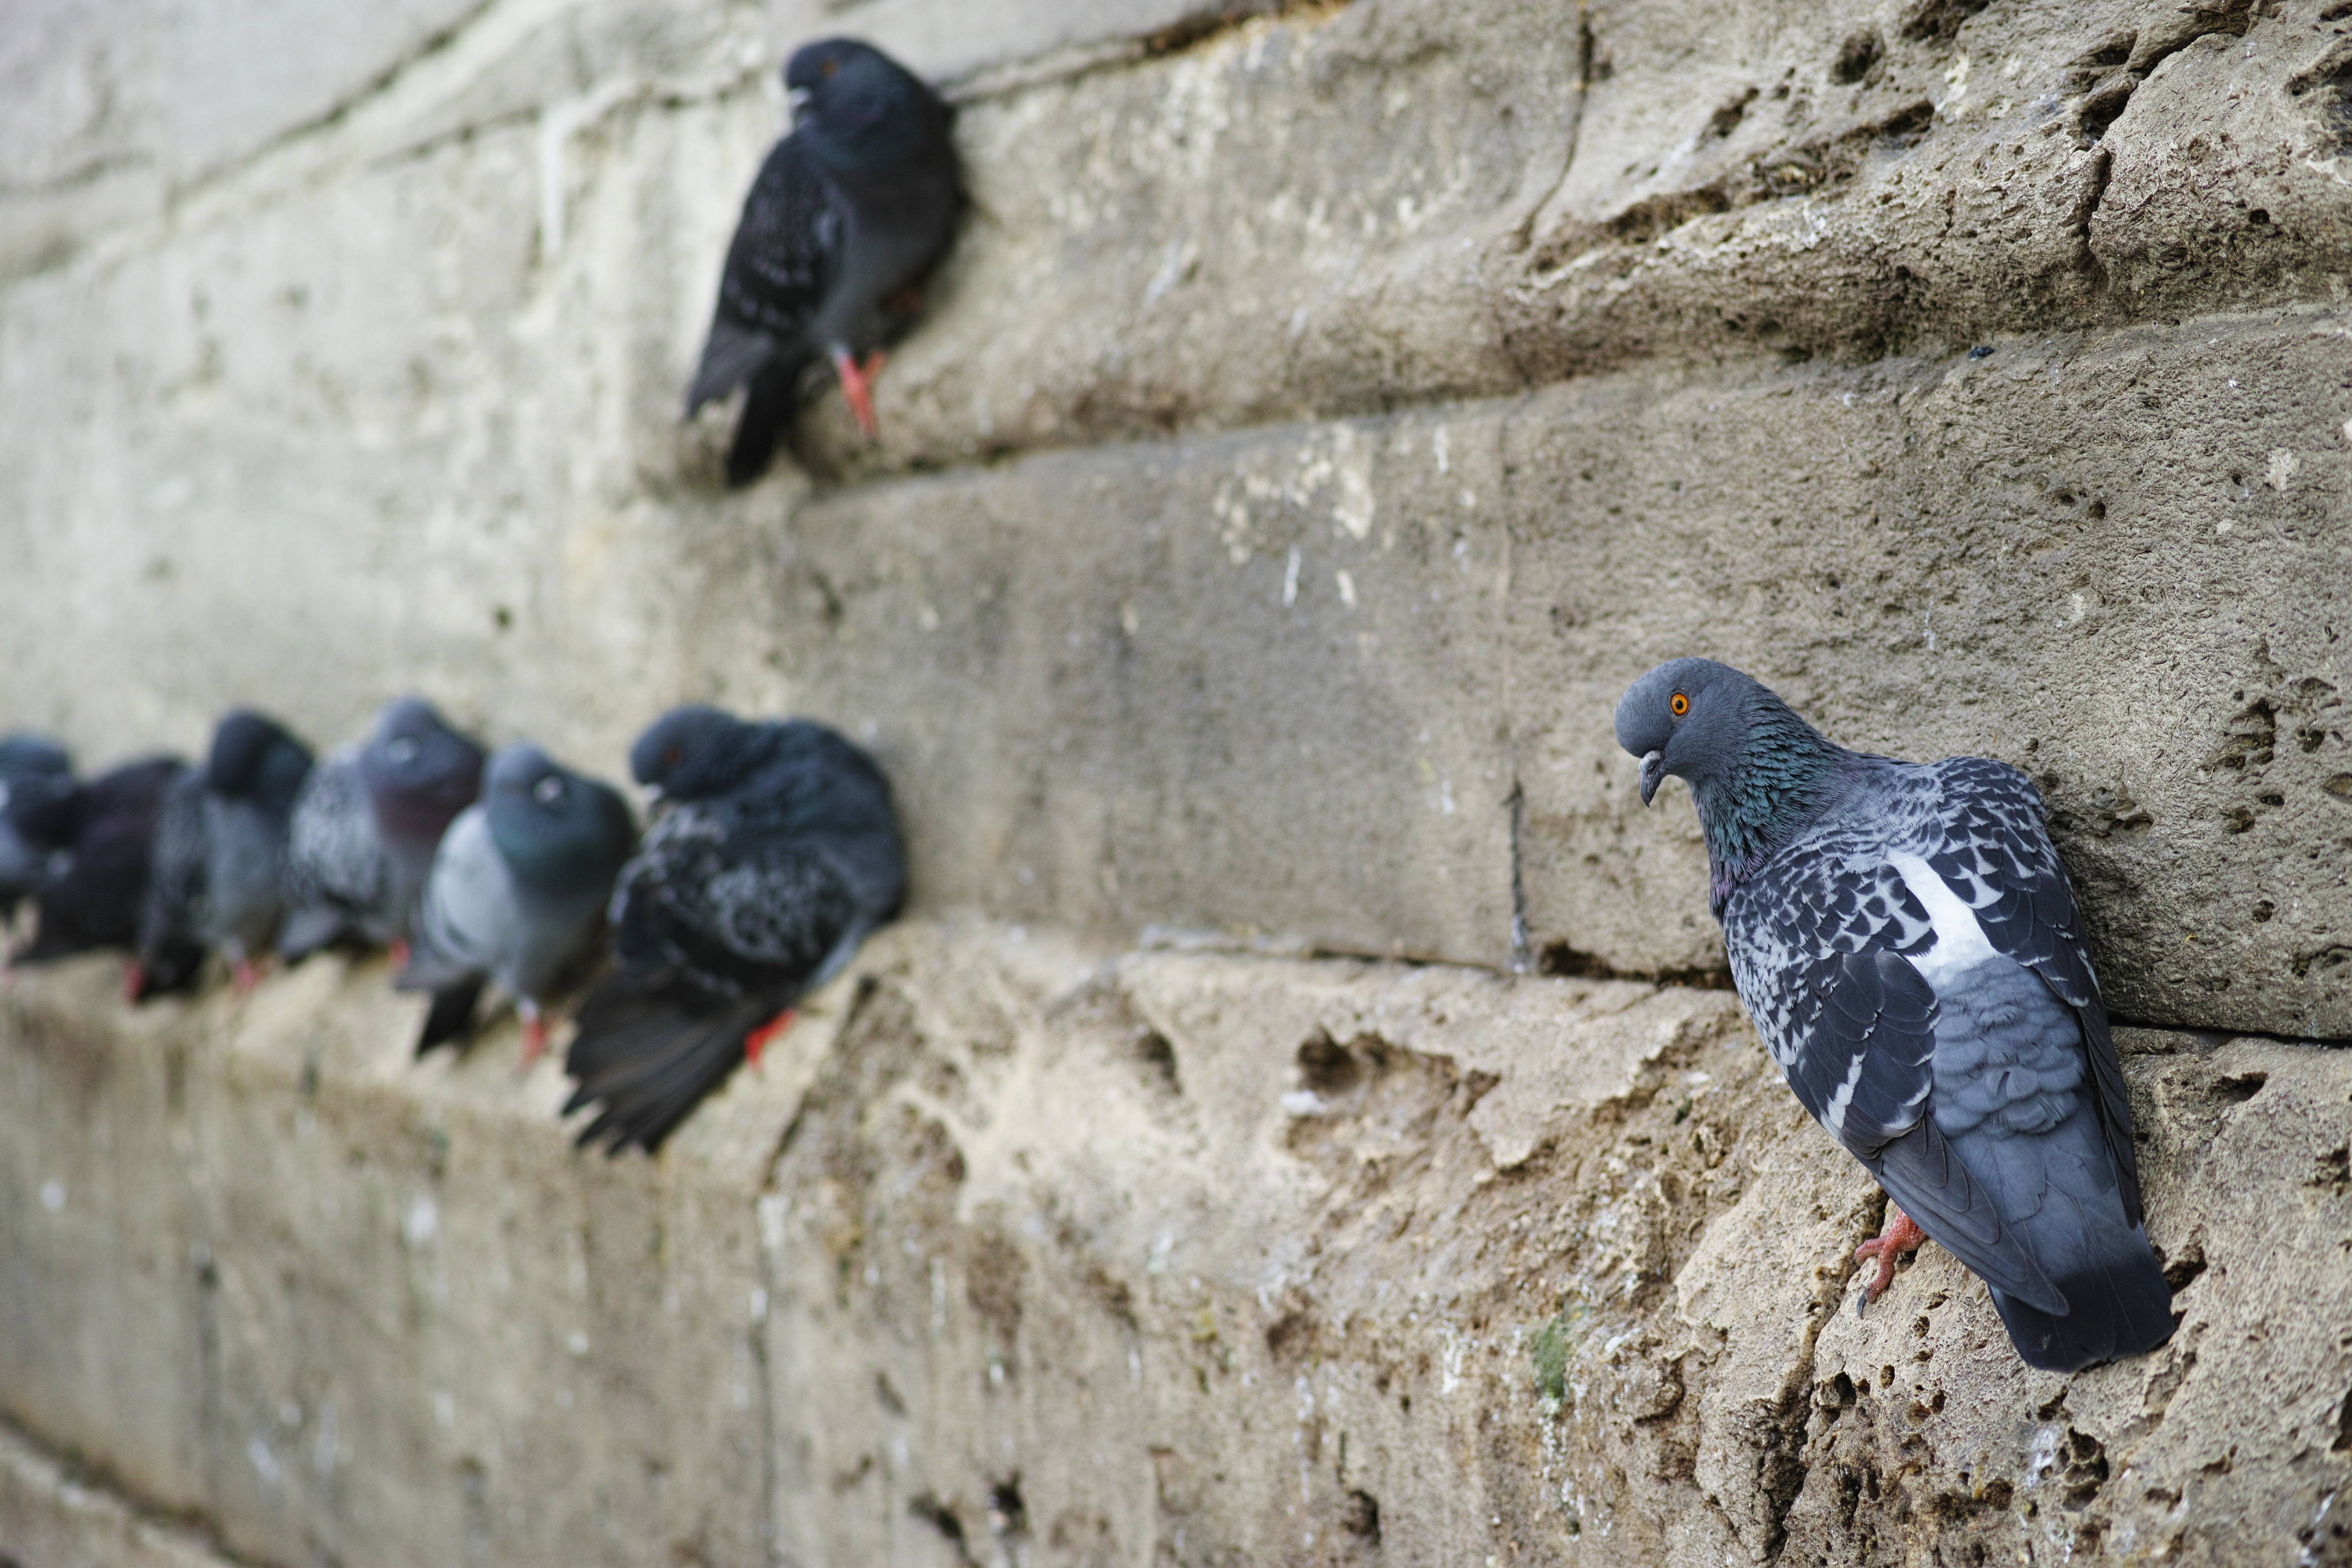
point(1960, 942)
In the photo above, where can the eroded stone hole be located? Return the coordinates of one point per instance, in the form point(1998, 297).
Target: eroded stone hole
point(1859, 51)
point(1006, 1513)
point(2240, 1087)
point(2180, 1272)
point(1329, 1067)
point(2343, 1443)
point(1361, 1517)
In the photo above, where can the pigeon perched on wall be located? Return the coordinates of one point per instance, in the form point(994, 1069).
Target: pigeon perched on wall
point(90, 892)
point(1906, 939)
point(220, 854)
point(776, 854)
point(847, 214)
point(365, 827)
point(35, 774)
point(517, 893)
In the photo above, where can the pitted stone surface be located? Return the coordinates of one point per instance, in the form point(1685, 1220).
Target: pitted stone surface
point(1016, 1247)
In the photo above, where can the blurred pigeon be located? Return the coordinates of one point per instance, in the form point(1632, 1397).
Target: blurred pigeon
point(34, 774)
point(847, 214)
point(90, 891)
point(1906, 939)
point(220, 852)
point(776, 854)
point(365, 827)
point(517, 893)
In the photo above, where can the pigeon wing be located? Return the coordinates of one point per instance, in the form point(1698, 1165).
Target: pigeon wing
point(1816, 946)
point(172, 917)
point(779, 266)
point(335, 855)
point(1996, 854)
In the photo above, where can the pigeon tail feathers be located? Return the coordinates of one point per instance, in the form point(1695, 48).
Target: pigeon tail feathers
point(652, 1058)
point(450, 1021)
point(2119, 1305)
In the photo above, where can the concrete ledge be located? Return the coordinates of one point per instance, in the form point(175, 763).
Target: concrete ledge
point(1014, 1248)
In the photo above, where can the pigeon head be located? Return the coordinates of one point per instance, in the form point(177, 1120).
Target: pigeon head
point(24, 755)
point(256, 758)
point(1756, 772)
point(32, 770)
point(558, 830)
point(418, 770)
point(859, 107)
point(692, 753)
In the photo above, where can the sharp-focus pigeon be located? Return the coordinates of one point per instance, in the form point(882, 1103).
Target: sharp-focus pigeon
point(220, 854)
point(776, 854)
point(847, 214)
point(34, 775)
point(516, 894)
point(1906, 939)
point(366, 828)
point(91, 890)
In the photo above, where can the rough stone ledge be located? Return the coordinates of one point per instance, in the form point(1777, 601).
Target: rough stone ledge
point(1338, 210)
point(1336, 682)
point(1016, 1249)
point(54, 1515)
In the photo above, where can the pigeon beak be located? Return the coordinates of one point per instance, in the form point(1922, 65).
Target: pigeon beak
point(1654, 768)
point(796, 102)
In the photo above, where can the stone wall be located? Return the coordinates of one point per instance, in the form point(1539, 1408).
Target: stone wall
point(1301, 1120)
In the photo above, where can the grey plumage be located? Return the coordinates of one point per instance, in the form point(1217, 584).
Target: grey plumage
point(777, 852)
point(517, 892)
point(1906, 939)
point(220, 854)
point(365, 826)
point(849, 210)
point(94, 885)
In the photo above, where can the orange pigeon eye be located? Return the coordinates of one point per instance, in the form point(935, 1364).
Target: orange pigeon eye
point(1681, 704)
point(829, 66)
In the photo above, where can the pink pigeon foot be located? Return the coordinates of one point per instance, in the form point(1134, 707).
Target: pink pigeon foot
point(1900, 1236)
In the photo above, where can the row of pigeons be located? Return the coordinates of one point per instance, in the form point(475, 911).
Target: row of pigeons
point(773, 852)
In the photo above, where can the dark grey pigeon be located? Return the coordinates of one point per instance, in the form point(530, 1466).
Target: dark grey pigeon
point(220, 852)
point(516, 894)
point(848, 213)
point(91, 890)
point(35, 774)
point(366, 828)
point(1906, 939)
point(776, 853)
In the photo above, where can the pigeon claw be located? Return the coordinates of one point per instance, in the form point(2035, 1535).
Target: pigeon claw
point(1899, 1237)
point(857, 386)
point(534, 1039)
point(757, 1040)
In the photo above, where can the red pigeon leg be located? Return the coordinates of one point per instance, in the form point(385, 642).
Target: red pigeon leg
point(1900, 1236)
point(534, 1033)
point(855, 388)
point(244, 975)
point(398, 952)
point(757, 1040)
point(134, 980)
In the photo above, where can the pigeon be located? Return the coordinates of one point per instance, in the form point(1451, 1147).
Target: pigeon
point(517, 893)
point(365, 827)
point(35, 774)
point(1904, 936)
point(847, 214)
point(776, 852)
point(220, 854)
point(91, 889)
